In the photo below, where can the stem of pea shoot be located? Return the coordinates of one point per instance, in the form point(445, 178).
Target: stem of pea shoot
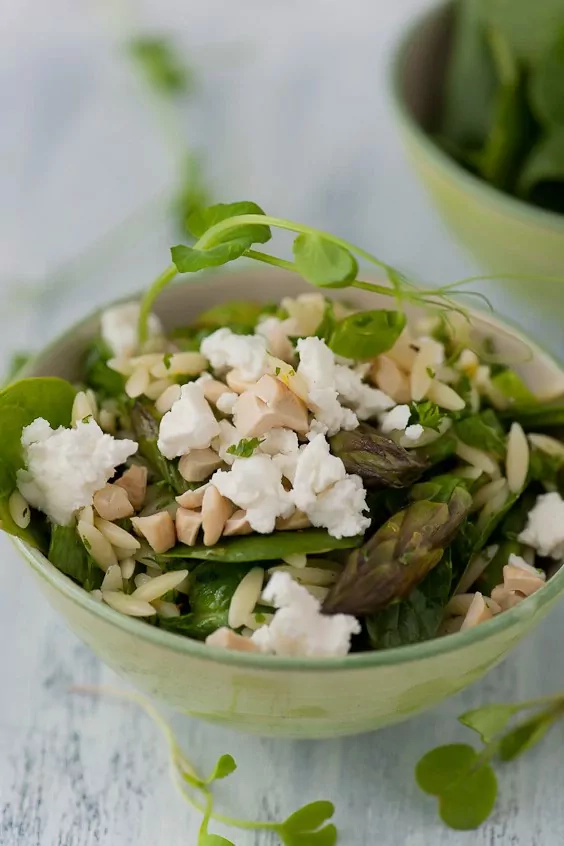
point(399, 284)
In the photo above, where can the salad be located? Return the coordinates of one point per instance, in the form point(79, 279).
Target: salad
point(293, 478)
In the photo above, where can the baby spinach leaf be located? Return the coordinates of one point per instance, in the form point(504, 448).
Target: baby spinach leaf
point(272, 547)
point(545, 162)
point(242, 313)
point(537, 415)
point(20, 404)
point(252, 233)
point(470, 80)
point(546, 468)
point(483, 431)
point(366, 334)
point(437, 451)
point(160, 63)
point(324, 263)
point(97, 374)
point(546, 87)
point(223, 768)
point(212, 586)
point(510, 384)
point(245, 447)
point(418, 617)
point(529, 36)
point(69, 555)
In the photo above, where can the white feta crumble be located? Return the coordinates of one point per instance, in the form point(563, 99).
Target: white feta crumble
point(316, 470)
point(365, 400)
point(397, 420)
point(255, 485)
point(247, 353)
point(317, 366)
point(190, 423)
point(545, 526)
point(298, 627)
point(339, 509)
point(322, 489)
point(119, 328)
point(65, 467)
point(226, 402)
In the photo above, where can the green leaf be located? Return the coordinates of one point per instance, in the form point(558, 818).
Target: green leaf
point(466, 792)
point(224, 767)
point(326, 836)
point(20, 404)
point(513, 388)
point(490, 720)
point(251, 233)
point(439, 768)
point(470, 80)
point(206, 839)
point(366, 334)
point(525, 736)
point(263, 547)
point(189, 260)
point(470, 801)
point(427, 414)
point(97, 374)
point(537, 415)
point(493, 574)
point(324, 263)
point(146, 431)
point(245, 447)
point(545, 162)
point(212, 586)
point(546, 86)
point(483, 431)
point(529, 36)
point(418, 617)
point(242, 313)
point(161, 64)
point(310, 817)
point(327, 325)
point(69, 555)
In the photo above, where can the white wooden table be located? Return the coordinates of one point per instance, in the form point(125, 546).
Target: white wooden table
point(294, 115)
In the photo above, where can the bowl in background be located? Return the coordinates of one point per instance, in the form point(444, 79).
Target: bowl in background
point(505, 234)
point(307, 698)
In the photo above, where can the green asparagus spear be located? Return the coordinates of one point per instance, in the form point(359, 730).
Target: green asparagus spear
point(399, 556)
point(376, 459)
point(146, 431)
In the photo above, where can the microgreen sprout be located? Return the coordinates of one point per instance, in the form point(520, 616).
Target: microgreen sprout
point(305, 827)
point(245, 448)
point(226, 232)
point(462, 779)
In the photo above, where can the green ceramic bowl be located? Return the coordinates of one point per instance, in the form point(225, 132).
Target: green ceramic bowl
point(505, 235)
point(276, 696)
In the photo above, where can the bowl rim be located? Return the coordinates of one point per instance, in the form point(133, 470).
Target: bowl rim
point(251, 661)
point(509, 205)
